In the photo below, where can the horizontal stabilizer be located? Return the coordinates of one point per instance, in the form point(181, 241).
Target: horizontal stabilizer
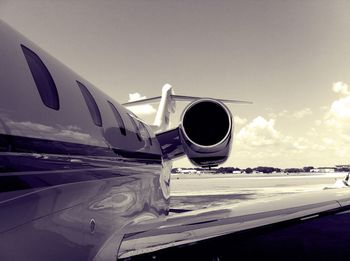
point(191, 98)
point(180, 98)
point(143, 101)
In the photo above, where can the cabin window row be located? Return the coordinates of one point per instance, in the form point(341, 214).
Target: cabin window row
point(49, 95)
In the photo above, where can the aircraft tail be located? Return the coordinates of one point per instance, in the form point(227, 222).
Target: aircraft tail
point(167, 106)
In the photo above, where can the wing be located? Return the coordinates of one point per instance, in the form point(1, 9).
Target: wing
point(306, 226)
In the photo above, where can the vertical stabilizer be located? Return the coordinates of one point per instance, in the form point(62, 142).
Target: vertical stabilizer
point(166, 106)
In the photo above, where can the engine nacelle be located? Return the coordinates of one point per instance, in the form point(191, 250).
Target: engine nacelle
point(206, 132)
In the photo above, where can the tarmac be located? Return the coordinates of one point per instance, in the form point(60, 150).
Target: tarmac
point(197, 191)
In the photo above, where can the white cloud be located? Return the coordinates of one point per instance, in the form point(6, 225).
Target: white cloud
point(278, 114)
point(341, 108)
point(135, 97)
point(259, 132)
point(145, 109)
point(262, 133)
point(340, 87)
point(337, 117)
point(302, 113)
point(261, 143)
point(291, 114)
point(239, 121)
point(334, 127)
point(328, 141)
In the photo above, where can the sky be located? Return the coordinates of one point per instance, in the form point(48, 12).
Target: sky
point(291, 58)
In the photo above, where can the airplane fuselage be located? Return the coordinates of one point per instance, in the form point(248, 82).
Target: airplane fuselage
point(75, 166)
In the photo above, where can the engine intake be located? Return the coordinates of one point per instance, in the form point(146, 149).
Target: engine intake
point(206, 131)
point(206, 123)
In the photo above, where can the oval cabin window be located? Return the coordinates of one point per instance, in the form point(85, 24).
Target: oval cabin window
point(147, 133)
point(136, 128)
point(118, 118)
point(91, 104)
point(42, 78)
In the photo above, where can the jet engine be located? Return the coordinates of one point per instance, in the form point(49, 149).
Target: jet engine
point(206, 132)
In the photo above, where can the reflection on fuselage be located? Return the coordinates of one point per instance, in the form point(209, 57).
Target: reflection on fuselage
point(63, 165)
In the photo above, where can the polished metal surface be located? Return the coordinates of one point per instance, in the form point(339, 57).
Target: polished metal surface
point(67, 185)
point(198, 225)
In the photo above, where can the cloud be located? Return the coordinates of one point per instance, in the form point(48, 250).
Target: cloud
point(341, 108)
point(333, 128)
point(340, 87)
point(337, 119)
point(338, 114)
point(259, 132)
point(335, 124)
point(302, 113)
point(260, 143)
point(239, 121)
point(291, 114)
point(328, 141)
point(278, 114)
point(145, 109)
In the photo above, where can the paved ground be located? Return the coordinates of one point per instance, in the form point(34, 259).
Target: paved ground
point(190, 192)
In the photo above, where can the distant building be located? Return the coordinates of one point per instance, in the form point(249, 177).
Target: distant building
point(323, 170)
point(187, 171)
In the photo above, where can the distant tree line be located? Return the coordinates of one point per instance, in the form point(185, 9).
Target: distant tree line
point(343, 169)
point(260, 169)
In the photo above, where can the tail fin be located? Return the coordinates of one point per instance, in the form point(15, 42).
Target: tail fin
point(167, 105)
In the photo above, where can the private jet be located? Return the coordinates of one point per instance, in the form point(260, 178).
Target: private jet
point(84, 178)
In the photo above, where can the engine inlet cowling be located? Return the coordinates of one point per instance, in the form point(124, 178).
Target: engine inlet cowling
point(205, 131)
point(206, 123)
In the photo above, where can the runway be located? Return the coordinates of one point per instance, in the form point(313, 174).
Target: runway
point(193, 191)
